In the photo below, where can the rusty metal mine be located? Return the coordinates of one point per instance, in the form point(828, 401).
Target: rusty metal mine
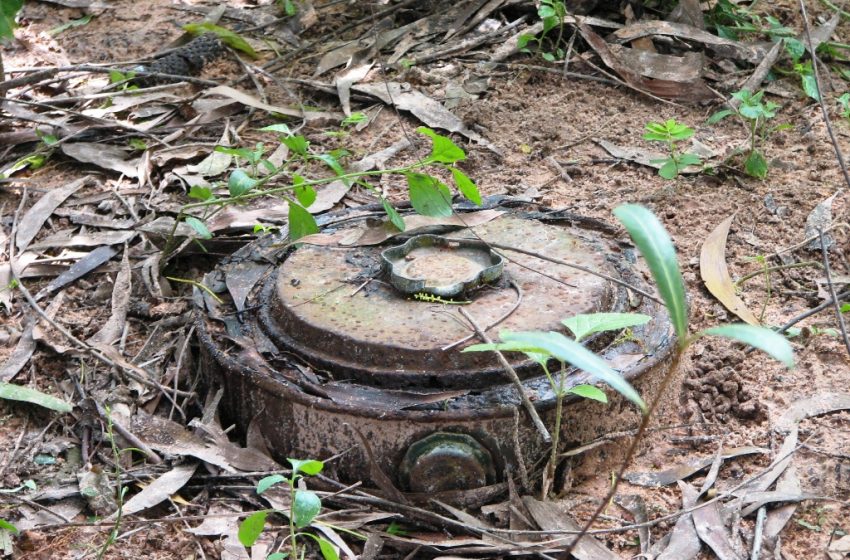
point(321, 350)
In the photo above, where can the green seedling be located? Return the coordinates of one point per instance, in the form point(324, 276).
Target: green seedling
point(756, 113)
point(670, 132)
point(79, 22)
point(658, 251)
point(428, 195)
point(844, 104)
point(304, 506)
point(288, 7)
point(121, 489)
point(551, 13)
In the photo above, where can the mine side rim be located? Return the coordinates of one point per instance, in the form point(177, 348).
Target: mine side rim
point(283, 389)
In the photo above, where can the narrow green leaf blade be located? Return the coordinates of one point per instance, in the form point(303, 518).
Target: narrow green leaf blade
point(305, 507)
point(566, 350)
point(328, 550)
point(467, 188)
point(307, 466)
point(657, 248)
point(252, 527)
point(393, 215)
point(12, 392)
point(585, 325)
point(766, 340)
point(199, 226)
point(589, 392)
point(269, 481)
point(8, 526)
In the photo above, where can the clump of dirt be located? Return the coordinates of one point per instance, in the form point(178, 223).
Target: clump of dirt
point(714, 389)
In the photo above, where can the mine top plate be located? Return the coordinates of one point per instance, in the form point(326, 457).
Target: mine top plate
point(338, 309)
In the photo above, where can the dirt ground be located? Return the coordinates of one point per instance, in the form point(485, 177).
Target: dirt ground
point(530, 117)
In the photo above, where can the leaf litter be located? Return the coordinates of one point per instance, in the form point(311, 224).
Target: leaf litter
point(678, 74)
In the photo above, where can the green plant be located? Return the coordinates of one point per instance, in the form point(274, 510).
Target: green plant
point(655, 245)
point(228, 37)
point(551, 13)
point(671, 132)
point(8, 10)
point(756, 113)
point(121, 489)
point(428, 195)
point(844, 104)
point(287, 6)
point(304, 506)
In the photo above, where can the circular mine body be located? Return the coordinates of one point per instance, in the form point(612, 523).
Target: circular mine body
point(337, 359)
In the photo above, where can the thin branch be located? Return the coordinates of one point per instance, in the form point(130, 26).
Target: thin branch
point(839, 316)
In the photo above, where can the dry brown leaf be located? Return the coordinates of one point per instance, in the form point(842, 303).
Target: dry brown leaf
point(815, 405)
point(715, 274)
point(245, 99)
point(819, 219)
point(121, 290)
point(679, 472)
point(79, 269)
point(713, 532)
point(554, 516)
point(62, 239)
point(684, 541)
point(34, 218)
point(159, 490)
point(105, 156)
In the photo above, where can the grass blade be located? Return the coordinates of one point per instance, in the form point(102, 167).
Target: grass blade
point(657, 248)
point(585, 325)
point(13, 392)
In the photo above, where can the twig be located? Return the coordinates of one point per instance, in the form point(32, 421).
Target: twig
point(510, 312)
point(770, 269)
point(815, 310)
point(529, 407)
point(759, 533)
point(839, 316)
point(838, 154)
point(577, 267)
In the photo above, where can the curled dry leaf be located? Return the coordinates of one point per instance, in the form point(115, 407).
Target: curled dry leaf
point(715, 274)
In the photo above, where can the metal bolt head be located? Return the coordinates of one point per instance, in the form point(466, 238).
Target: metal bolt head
point(447, 461)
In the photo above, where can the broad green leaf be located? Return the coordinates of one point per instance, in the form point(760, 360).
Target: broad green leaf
point(354, 118)
point(200, 193)
point(277, 556)
point(334, 164)
point(227, 36)
point(530, 349)
point(689, 159)
point(756, 165)
point(393, 215)
point(845, 308)
point(589, 392)
point(240, 182)
point(305, 507)
point(8, 526)
point(764, 339)
point(305, 194)
point(301, 222)
point(794, 47)
point(243, 153)
point(252, 527)
point(12, 392)
point(8, 10)
point(669, 170)
point(585, 325)
point(719, 116)
point(199, 226)
point(307, 466)
point(428, 196)
point(572, 352)
point(466, 187)
point(443, 150)
point(297, 144)
point(269, 481)
point(657, 249)
point(328, 550)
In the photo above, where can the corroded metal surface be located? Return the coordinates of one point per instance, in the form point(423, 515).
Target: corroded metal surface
point(379, 336)
point(311, 399)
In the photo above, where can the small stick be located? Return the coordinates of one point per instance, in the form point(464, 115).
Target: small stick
point(838, 314)
point(529, 407)
point(128, 435)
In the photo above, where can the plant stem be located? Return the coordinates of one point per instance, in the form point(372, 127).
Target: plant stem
point(777, 268)
point(630, 453)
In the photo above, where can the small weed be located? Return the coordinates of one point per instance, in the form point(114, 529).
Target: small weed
point(844, 104)
point(551, 13)
point(288, 7)
point(671, 132)
point(430, 298)
point(756, 113)
point(304, 506)
point(395, 529)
